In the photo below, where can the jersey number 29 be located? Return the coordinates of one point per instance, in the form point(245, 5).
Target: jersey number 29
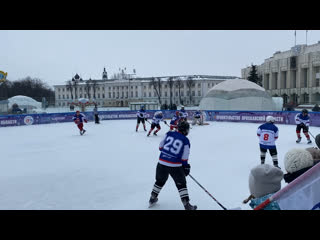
point(173, 145)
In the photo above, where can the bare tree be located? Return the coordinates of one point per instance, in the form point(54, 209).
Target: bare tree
point(75, 86)
point(179, 85)
point(94, 85)
point(87, 87)
point(170, 83)
point(156, 84)
point(190, 83)
point(70, 88)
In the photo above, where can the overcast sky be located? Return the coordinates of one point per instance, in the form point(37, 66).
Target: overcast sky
point(55, 56)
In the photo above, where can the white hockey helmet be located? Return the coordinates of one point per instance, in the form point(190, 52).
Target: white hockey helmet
point(270, 119)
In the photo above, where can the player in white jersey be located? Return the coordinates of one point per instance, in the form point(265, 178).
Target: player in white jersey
point(268, 133)
point(158, 116)
point(303, 121)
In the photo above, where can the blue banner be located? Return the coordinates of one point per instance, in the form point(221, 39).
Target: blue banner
point(282, 117)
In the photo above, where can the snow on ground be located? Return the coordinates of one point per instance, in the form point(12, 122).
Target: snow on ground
point(112, 167)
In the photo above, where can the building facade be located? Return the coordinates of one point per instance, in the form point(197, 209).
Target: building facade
point(185, 90)
point(293, 75)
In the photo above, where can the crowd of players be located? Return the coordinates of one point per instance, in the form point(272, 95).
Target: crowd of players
point(175, 146)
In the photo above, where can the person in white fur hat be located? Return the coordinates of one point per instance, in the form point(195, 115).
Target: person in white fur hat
point(297, 161)
point(264, 181)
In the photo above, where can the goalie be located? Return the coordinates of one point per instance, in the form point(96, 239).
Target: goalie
point(197, 118)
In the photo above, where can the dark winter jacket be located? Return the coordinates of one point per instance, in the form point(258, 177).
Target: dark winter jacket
point(289, 177)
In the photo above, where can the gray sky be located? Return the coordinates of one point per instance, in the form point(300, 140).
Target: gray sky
point(55, 56)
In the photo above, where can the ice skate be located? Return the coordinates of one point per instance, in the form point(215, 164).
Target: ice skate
point(309, 141)
point(81, 133)
point(188, 206)
point(153, 200)
point(298, 140)
point(155, 134)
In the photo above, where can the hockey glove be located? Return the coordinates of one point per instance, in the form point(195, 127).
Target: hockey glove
point(85, 121)
point(186, 169)
point(146, 119)
point(165, 122)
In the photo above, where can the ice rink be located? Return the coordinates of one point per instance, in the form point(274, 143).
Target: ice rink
point(112, 167)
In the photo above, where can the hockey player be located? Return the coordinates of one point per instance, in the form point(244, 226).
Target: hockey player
point(141, 117)
point(173, 161)
point(268, 133)
point(303, 121)
point(197, 118)
point(174, 121)
point(183, 114)
point(96, 114)
point(78, 119)
point(158, 116)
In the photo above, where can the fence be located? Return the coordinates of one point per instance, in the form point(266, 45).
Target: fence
point(282, 117)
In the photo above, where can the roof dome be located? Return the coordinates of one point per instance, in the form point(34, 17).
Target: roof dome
point(237, 94)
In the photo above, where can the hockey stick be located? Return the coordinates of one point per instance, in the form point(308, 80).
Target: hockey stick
point(208, 193)
point(312, 135)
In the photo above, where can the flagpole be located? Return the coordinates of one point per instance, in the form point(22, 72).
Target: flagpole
point(306, 37)
point(295, 37)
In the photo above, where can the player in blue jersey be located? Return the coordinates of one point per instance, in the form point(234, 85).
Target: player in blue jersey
point(173, 161)
point(268, 133)
point(141, 117)
point(174, 121)
point(197, 118)
point(303, 121)
point(183, 114)
point(158, 116)
point(78, 119)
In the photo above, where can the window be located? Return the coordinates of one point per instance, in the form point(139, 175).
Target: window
point(109, 94)
point(131, 94)
point(149, 94)
point(165, 94)
point(136, 93)
point(193, 93)
point(199, 93)
point(113, 94)
point(199, 85)
point(145, 94)
point(80, 95)
point(103, 96)
point(98, 95)
point(63, 96)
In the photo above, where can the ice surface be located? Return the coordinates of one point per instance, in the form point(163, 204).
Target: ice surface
point(113, 167)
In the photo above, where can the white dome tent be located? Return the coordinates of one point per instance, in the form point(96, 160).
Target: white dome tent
point(237, 95)
point(24, 102)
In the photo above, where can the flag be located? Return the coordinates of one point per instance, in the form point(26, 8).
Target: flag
point(303, 193)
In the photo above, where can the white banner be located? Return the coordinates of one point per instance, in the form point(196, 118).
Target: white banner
point(301, 194)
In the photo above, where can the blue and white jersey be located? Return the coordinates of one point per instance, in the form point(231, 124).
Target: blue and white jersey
point(197, 114)
point(142, 113)
point(157, 118)
point(302, 119)
point(81, 117)
point(184, 113)
point(268, 133)
point(175, 119)
point(175, 149)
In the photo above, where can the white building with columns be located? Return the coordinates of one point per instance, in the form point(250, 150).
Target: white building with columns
point(293, 74)
point(126, 88)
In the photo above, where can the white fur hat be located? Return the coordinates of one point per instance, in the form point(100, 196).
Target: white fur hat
point(264, 179)
point(297, 159)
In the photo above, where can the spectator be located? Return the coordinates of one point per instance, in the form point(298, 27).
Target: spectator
point(264, 181)
point(298, 161)
point(316, 108)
